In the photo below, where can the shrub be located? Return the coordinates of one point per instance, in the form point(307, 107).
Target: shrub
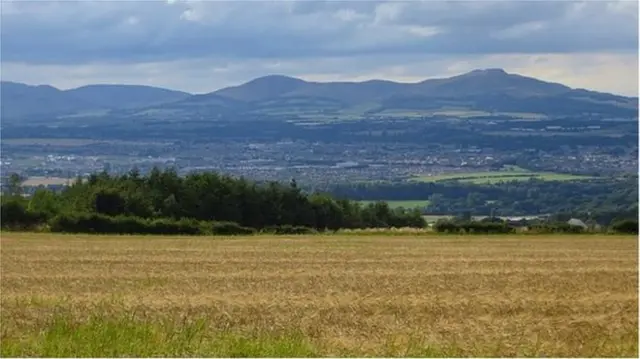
point(629, 226)
point(182, 226)
point(447, 226)
point(14, 216)
point(558, 227)
point(486, 228)
point(230, 229)
point(404, 231)
point(93, 223)
point(289, 229)
point(97, 223)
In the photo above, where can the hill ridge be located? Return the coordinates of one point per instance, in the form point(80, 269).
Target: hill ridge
point(484, 90)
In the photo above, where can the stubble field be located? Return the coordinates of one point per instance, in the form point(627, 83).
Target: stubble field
point(319, 296)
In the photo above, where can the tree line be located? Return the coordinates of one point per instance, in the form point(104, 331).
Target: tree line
point(493, 225)
point(162, 202)
point(162, 197)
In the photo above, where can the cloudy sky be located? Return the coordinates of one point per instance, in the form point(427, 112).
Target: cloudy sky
point(200, 46)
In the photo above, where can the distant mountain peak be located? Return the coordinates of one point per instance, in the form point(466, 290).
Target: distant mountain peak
point(262, 87)
point(276, 78)
point(23, 85)
point(489, 71)
point(23, 100)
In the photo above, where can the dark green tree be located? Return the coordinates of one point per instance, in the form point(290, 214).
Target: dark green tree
point(109, 202)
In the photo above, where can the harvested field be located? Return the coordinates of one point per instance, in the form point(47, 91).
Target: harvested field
point(47, 181)
point(319, 296)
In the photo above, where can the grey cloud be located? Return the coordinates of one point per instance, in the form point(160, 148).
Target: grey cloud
point(604, 72)
point(137, 31)
point(478, 14)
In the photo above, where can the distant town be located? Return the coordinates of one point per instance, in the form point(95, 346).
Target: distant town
point(307, 162)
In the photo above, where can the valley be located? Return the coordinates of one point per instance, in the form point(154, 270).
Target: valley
point(473, 129)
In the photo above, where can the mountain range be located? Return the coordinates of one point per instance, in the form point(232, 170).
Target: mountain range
point(479, 91)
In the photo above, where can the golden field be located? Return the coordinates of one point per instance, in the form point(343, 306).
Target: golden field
point(319, 296)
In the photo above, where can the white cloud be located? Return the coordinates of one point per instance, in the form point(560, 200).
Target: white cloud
point(519, 30)
point(132, 20)
point(423, 31)
point(388, 12)
point(348, 15)
point(190, 15)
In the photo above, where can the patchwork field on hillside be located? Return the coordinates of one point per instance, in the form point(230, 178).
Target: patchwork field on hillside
point(403, 204)
point(430, 295)
point(498, 176)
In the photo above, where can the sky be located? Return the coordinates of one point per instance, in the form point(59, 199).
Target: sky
point(200, 46)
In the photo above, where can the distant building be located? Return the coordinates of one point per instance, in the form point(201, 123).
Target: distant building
point(577, 223)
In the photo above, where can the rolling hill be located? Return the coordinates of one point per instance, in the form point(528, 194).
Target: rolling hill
point(491, 91)
point(125, 96)
point(22, 101)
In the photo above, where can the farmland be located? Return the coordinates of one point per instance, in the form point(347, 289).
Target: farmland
point(65, 295)
point(498, 176)
point(403, 204)
point(46, 181)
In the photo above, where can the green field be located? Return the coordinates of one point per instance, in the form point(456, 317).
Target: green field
point(319, 296)
point(498, 176)
point(376, 109)
point(404, 204)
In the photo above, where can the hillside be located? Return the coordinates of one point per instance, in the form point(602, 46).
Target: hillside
point(21, 100)
point(484, 92)
point(474, 83)
point(125, 96)
point(491, 90)
point(18, 100)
